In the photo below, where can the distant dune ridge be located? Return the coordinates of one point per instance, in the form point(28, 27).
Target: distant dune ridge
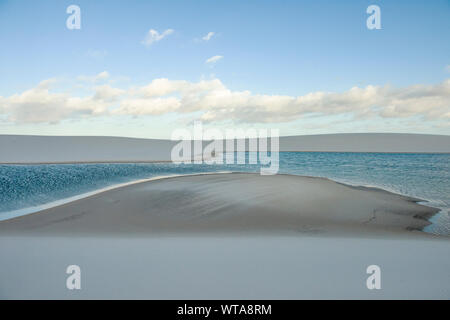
point(60, 149)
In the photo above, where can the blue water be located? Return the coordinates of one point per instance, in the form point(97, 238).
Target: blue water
point(424, 176)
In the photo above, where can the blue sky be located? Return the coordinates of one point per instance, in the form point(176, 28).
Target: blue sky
point(268, 48)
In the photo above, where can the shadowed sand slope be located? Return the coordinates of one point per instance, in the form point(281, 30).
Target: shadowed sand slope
point(237, 202)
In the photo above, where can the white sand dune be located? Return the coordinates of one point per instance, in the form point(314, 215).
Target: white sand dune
point(62, 149)
point(233, 202)
point(227, 236)
point(368, 142)
point(55, 149)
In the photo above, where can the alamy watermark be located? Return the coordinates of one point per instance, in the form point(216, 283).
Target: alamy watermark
point(374, 20)
point(74, 20)
point(230, 146)
point(73, 281)
point(374, 280)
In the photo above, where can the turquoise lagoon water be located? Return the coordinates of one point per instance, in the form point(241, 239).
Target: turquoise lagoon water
point(424, 176)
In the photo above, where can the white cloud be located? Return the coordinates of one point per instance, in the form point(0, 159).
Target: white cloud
point(95, 78)
point(102, 75)
point(214, 59)
point(216, 102)
point(39, 105)
point(163, 87)
point(211, 100)
point(148, 106)
point(208, 36)
point(107, 93)
point(154, 36)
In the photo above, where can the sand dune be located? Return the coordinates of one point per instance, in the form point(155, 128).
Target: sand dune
point(223, 203)
point(368, 142)
point(54, 149)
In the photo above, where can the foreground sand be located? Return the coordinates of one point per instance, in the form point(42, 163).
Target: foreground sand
point(231, 267)
point(227, 236)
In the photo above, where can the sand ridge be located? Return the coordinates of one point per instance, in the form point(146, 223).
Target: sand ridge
point(230, 202)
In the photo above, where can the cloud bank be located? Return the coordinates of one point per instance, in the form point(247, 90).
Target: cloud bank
point(212, 101)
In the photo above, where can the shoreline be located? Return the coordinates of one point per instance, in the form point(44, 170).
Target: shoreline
point(30, 163)
point(408, 215)
point(60, 202)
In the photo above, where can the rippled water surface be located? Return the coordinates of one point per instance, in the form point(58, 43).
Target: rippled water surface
point(425, 176)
